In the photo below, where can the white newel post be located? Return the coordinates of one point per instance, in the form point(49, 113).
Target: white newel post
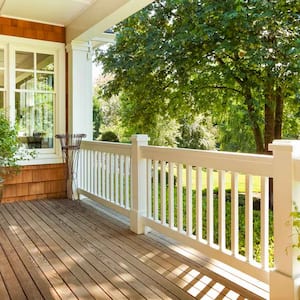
point(139, 181)
point(80, 98)
point(285, 278)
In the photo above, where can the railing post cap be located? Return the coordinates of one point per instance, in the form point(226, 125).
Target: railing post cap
point(285, 145)
point(140, 138)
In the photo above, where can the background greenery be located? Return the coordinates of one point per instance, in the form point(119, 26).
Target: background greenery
point(205, 74)
point(230, 66)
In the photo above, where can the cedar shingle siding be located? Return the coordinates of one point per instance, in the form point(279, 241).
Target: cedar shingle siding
point(32, 30)
point(39, 181)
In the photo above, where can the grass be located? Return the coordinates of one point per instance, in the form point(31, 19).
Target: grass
point(228, 217)
point(241, 181)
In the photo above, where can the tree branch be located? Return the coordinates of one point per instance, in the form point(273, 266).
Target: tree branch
point(239, 80)
point(222, 87)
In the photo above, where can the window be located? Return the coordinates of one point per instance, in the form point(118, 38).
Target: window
point(32, 90)
point(2, 71)
point(34, 98)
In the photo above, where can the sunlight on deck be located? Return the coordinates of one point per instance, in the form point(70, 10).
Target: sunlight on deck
point(67, 249)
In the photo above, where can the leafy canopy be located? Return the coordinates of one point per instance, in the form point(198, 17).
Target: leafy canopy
point(177, 58)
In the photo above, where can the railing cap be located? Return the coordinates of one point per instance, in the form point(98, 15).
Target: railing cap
point(140, 138)
point(285, 145)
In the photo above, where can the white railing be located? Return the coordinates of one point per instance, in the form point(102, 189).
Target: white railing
point(105, 174)
point(209, 200)
point(202, 213)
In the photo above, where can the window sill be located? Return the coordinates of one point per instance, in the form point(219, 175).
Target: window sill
point(43, 159)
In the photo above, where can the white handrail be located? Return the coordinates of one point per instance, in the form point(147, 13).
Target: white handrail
point(176, 191)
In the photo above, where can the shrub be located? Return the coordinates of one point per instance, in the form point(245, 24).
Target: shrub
point(109, 136)
point(296, 224)
point(10, 151)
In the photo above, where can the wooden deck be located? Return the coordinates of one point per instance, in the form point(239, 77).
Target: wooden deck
point(61, 249)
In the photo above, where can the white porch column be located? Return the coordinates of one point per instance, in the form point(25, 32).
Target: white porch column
point(139, 183)
point(285, 278)
point(80, 89)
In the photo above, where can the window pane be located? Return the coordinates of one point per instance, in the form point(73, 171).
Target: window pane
point(24, 60)
point(45, 82)
point(24, 80)
point(1, 58)
point(1, 78)
point(34, 116)
point(45, 62)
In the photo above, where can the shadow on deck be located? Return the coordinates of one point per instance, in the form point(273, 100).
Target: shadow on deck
point(61, 249)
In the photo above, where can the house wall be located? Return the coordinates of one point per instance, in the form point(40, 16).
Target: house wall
point(32, 30)
point(35, 181)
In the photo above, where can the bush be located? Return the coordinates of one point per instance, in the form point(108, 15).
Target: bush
point(296, 224)
point(10, 152)
point(109, 136)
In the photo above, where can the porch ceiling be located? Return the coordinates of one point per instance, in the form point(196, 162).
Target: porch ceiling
point(56, 12)
point(85, 20)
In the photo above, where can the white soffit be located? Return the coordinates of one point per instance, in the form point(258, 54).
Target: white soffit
point(58, 12)
point(100, 16)
point(85, 20)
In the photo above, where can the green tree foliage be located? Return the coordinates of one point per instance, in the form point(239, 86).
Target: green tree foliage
point(177, 58)
point(235, 130)
point(106, 116)
point(109, 136)
point(161, 129)
point(198, 134)
point(97, 118)
point(295, 216)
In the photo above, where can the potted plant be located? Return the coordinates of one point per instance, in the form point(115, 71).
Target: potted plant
point(10, 150)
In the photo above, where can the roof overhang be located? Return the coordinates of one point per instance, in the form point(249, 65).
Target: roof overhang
point(100, 16)
point(84, 20)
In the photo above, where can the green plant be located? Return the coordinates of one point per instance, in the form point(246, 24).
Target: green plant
point(109, 136)
point(228, 215)
point(296, 224)
point(10, 150)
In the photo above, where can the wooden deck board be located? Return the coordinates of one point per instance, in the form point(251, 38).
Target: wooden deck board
point(63, 246)
point(112, 245)
point(36, 274)
point(11, 282)
point(51, 253)
point(181, 268)
point(93, 264)
point(66, 250)
point(28, 286)
point(38, 254)
point(120, 261)
point(3, 291)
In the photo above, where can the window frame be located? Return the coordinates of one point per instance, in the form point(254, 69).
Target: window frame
point(10, 46)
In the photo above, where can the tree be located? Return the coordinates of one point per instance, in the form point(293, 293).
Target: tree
point(106, 112)
point(137, 118)
point(235, 131)
point(182, 57)
point(197, 134)
point(97, 118)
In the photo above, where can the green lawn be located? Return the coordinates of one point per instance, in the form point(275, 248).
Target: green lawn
point(241, 181)
point(241, 185)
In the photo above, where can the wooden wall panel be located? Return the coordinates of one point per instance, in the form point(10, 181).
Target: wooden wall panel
point(36, 182)
point(32, 30)
point(40, 181)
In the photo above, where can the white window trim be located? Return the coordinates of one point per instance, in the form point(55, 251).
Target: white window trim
point(10, 44)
